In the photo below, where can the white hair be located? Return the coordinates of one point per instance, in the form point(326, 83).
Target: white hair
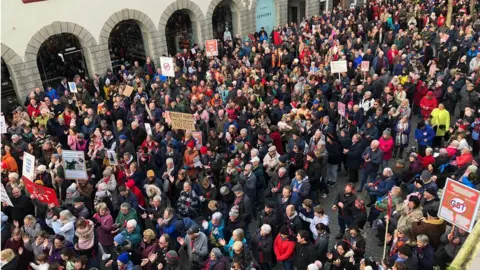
point(254, 152)
point(169, 161)
point(217, 216)
point(266, 228)
point(132, 223)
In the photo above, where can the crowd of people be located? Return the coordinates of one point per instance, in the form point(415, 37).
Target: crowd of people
point(250, 186)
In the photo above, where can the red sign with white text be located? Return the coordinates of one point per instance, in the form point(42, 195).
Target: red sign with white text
point(43, 194)
point(459, 204)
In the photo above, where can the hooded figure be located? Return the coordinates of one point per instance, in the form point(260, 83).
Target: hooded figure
point(427, 104)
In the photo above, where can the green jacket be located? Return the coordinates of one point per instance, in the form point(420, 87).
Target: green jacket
point(135, 238)
point(122, 219)
point(383, 204)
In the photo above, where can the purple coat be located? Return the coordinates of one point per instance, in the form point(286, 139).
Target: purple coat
point(104, 231)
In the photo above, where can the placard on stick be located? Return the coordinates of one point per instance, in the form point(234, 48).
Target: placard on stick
point(74, 165)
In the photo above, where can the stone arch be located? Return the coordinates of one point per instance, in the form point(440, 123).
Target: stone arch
point(86, 39)
point(149, 31)
point(239, 6)
point(15, 67)
point(203, 28)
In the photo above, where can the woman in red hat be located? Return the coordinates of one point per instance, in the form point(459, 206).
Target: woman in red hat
point(190, 157)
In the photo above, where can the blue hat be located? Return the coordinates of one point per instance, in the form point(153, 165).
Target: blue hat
point(123, 137)
point(123, 258)
point(119, 238)
point(316, 102)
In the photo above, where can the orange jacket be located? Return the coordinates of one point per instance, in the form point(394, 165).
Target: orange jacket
point(10, 162)
point(189, 160)
point(464, 159)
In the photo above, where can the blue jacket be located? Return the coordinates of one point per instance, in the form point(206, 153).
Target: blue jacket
point(425, 257)
point(215, 233)
point(52, 94)
point(467, 182)
point(383, 187)
point(162, 77)
point(425, 133)
point(227, 124)
point(357, 61)
point(303, 191)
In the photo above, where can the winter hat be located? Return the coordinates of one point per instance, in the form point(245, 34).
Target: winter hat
point(191, 144)
point(150, 173)
point(72, 188)
point(172, 256)
point(224, 190)
point(203, 150)
point(387, 132)
point(415, 200)
point(123, 258)
point(432, 191)
point(234, 212)
point(130, 183)
point(217, 252)
point(237, 188)
point(42, 168)
point(426, 175)
point(13, 175)
point(123, 137)
point(119, 239)
point(312, 266)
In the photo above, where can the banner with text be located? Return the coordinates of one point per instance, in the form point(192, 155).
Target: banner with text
point(180, 120)
point(43, 194)
point(28, 167)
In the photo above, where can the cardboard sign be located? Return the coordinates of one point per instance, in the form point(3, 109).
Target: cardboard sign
point(127, 92)
point(180, 120)
point(43, 194)
point(74, 164)
point(166, 63)
point(211, 48)
point(148, 129)
point(4, 196)
point(3, 125)
point(339, 66)
point(73, 87)
point(459, 204)
point(341, 109)
point(112, 158)
point(28, 167)
point(365, 67)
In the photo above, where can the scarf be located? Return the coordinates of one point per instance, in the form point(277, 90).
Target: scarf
point(401, 139)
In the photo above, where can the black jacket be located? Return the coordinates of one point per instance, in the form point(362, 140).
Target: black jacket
point(354, 155)
point(348, 204)
point(314, 171)
point(262, 248)
point(304, 255)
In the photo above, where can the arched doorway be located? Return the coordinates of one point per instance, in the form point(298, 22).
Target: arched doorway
point(296, 11)
point(179, 32)
point(126, 44)
point(8, 89)
point(61, 56)
point(225, 16)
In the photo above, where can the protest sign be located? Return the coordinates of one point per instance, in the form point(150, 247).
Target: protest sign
point(339, 66)
point(43, 194)
point(28, 167)
point(3, 125)
point(459, 204)
point(197, 135)
point(73, 87)
point(74, 164)
point(112, 158)
point(166, 63)
point(181, 120)
point(127, 92)
point(148, 128)
point(211, 48)
point(365, 67)
point(341, 109)
point(4, 196)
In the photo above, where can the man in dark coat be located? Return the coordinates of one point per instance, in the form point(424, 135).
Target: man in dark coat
point(22, 206)
point(305, 252)
point(138, 134)
point(345, 204)
point(354, 157)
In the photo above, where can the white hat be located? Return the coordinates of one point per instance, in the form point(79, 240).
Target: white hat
point(255, 159)
point(42, 168)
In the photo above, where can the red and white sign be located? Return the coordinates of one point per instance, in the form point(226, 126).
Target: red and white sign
point(166, 63)
point(43, 194)
point(365, 67)
point(341, 109)
point(211, 47)
point(459, 204)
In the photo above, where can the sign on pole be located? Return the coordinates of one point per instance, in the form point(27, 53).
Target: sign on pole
point(43, 194)
point(211, 47)
point(339, 66)
point(112, 158)
point(148, 129)
point(3, 125)
point(4, 196)
point(74, 164)
point(73, 87)
point(167, 66)
point(28, 167)
point(459, 204)
point(180, 120)
point(365, 67)
point(341, 109)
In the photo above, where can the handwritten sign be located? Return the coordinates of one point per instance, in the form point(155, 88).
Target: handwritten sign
point(127, 92)
point(459, 204)
point(43, 194)
point(4, 196)
point(365, 67)
point(339, 66)
point(341, 109)
point(148, 129)
point(3, 125)
point(28, 167)
point(180, 120)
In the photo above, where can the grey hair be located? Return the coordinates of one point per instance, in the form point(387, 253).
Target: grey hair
point(67, 215)
point(389, 172)
point(125, 205)
point(217, 216)
point(266, 228)
point(282, 169)
point(248, 166)
point(254, 151)
point(423, 238)
point(169, 161)
point(157, 198)
point(429, 150)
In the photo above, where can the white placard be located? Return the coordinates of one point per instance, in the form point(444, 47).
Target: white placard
point(28, 167)
point(5, 197)
point(3, 125)
point(338, 66)
point(73, 87)
point(74, 164)
point(112, 158)
point(148, 129)
point(167, 66)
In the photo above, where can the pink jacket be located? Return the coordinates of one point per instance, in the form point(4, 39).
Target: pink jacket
point(72, 142)
point(85, 236)
point(386, 146)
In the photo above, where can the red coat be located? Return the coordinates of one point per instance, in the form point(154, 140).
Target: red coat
point(277, 39)
point(426, 160)
point(441, 21)
point(464, 159)
point(391, 55)
point(138, 193)
point(277, 141)
point(31, 109)
point(428, 104)
point(387, 147)
point(284, 249)
point(420, 91)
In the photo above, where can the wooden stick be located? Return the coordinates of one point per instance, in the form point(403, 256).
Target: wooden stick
point(385, 240)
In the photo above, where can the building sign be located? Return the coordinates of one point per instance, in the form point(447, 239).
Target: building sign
point(459, 204)
point(265, 15)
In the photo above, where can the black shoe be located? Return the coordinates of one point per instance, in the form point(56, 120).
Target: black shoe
point(400, 156)
point(394, 155)
point(339, 236)
point(369, 205)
